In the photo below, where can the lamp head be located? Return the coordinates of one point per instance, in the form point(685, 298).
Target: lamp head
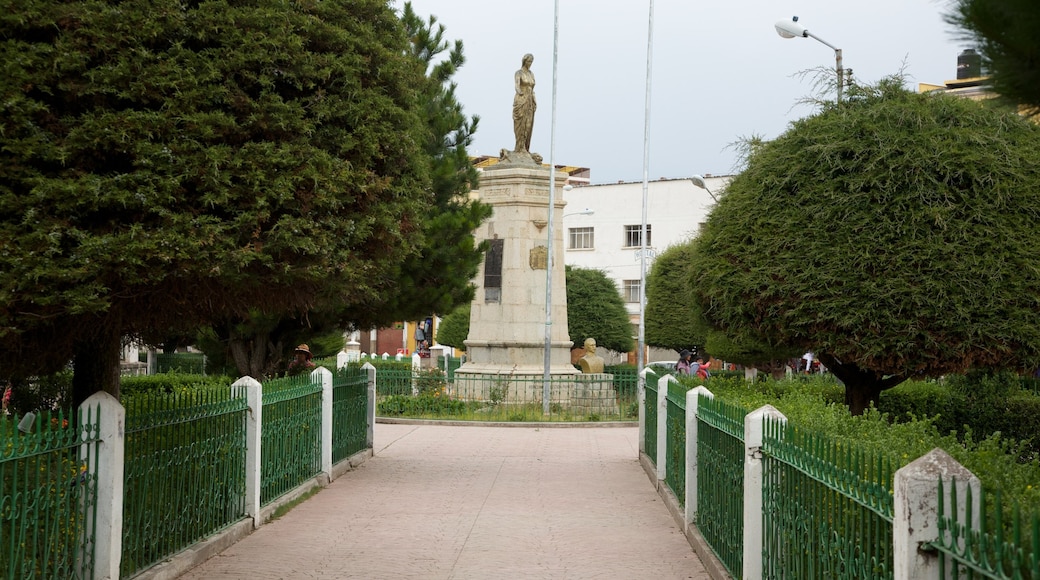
point(699, 181)
point(790, 28)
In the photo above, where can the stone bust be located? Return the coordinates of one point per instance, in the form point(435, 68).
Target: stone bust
point(591, 362)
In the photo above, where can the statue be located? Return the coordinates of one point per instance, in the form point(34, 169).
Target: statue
point(524, 105)
point(591, 362)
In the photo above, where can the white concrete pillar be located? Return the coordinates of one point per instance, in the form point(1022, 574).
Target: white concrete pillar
point(753, 488)
point(641, 403)
point(692, 400)
point(371, 410)
point(916, 517)
point(662, 425)
point(107, 468)
point(255, 402)
point(324, 375)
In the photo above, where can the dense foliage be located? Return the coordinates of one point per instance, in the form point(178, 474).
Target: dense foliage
point(671, 319)
point(813, 404)
point(166, 165)
point(454, 328)
point(595, 309)
point(433, 279)
point(1005, 32)
point(892, 234)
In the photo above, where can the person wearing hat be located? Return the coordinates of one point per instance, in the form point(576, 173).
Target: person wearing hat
point(682, 366)
point(302, 361)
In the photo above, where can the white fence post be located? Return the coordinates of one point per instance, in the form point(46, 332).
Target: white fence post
point(916, 503)
point(662, 425)
point(691, 449)
point(254, 424)
point(371, 411)
point(107, 468)
point(325, 376)
point(753, 488)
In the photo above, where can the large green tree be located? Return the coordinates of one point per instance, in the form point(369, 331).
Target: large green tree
point(166, 165)
point(433, 279)
point(676, 322)
point(893, 234)
point(595, 309)
point(1006, 33)
point(671, 318)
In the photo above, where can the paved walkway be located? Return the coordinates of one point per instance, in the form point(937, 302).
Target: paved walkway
point(443, 502)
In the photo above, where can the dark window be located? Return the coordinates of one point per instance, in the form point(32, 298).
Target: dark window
point(493, 271)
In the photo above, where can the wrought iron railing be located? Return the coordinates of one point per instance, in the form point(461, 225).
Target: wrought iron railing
point(827, 507)
point(1000, 542)
point(48, 495)
point(290, 447)
point(183, 471)
point(720, 496)
point(349, 408)
point(428, 394)
point(675, 447)
point(650, 418)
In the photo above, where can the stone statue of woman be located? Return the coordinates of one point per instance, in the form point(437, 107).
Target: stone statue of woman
point(524, 105)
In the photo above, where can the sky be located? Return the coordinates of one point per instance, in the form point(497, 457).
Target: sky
point(719, 72)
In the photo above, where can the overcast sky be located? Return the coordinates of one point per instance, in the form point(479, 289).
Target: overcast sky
point(719, 71)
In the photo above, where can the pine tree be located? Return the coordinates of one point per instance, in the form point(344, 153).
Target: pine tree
point(167, 165)
point(893, 235)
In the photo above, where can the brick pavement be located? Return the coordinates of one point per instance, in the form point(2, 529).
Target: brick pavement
point(474, 502)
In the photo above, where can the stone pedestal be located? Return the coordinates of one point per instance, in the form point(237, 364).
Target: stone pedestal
point(594, 394)
point(507, 318)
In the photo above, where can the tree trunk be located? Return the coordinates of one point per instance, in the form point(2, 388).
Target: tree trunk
point(255, 356)
point(96, 366)
point(862, 386)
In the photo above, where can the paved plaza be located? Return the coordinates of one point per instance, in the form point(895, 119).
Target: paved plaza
point(475, 502)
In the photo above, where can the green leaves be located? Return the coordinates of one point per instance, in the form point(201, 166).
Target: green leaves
point(894, 231)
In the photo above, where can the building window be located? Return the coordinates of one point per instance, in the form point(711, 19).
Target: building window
point(581, 238)
point(630, 290)
point(493, 271)
point(632, 236)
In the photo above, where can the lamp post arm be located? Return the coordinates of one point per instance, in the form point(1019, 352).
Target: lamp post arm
point(837, 58)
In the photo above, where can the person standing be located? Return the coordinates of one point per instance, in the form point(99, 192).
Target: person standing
point(301, 362)
point(682, 366)
point(524, 105)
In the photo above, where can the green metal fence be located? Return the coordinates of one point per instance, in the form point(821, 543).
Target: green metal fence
point(349, 412)
point(183, 471)
point(394, 381)
point(427, 394)
point(290, 447)
point(720, 495)
point(1001, 543)
point(827, 507)
point(675, 447)
point(48, 498)
point(650, 418)
point(449, 365)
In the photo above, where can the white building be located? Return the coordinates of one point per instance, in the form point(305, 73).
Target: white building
point(608, 238)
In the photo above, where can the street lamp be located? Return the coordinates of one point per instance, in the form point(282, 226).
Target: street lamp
point(791, 29)
point(699, 182)
point(585, 211)
point(641, 341)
